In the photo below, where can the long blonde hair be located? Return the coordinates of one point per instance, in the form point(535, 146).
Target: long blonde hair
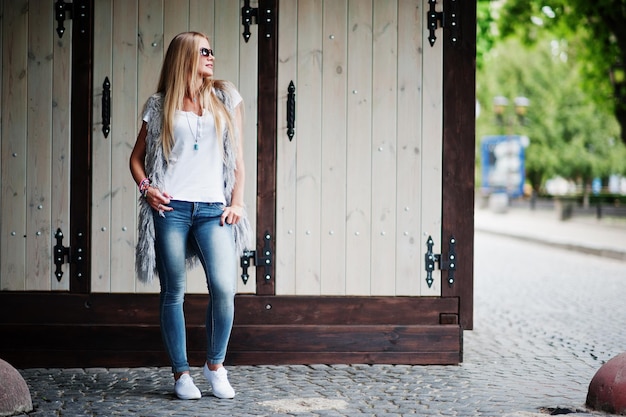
point(179, 78)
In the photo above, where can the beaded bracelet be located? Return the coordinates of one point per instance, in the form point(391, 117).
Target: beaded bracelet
point(144, 185)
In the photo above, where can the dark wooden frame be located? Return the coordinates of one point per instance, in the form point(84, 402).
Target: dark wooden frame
point(113, 330)
point(266, 150)
point(81, 120)
point(459, 138)
point(79, 329)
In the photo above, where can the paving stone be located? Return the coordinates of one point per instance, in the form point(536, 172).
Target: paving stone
point(535, 346)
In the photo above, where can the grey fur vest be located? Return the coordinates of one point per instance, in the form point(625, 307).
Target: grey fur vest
point(155, 165)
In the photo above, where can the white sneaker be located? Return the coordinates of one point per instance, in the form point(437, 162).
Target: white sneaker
point(185, 388)
point(219, 382)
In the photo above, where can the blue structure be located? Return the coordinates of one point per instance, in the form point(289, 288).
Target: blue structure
point(502, 163)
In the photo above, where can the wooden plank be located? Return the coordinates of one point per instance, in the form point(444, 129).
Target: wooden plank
point(384, 147)
point(248, 87)
point(308, 154)
point(38, 149)
point(312, 338)
point(298, 358)
point(458, 147)
point(315, 338)
point(431, 153)
point(226, 39)
point(409, 248)
point(2, 235)
point(202, 17)
point(175, 19)
point(286, 153)
point(150, 50)
point(81, 161)
point(74, 358)
point(359, 147)
point(123, 132)
point(334, 152)
point(14, 139)
point(61, 119)
point(143, 309)
point(324, 310)
point(101, 184)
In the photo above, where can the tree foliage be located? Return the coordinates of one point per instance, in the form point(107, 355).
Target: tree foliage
point(569, 135)
point(596, 31)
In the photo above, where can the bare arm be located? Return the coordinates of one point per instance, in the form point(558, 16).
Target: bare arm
point(154, 196)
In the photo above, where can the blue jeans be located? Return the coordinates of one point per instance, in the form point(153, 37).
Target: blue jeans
point(198, 225)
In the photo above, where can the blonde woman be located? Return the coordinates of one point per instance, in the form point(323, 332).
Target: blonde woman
point(188, 164)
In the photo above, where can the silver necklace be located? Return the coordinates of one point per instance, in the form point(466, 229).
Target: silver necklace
point(195, 144)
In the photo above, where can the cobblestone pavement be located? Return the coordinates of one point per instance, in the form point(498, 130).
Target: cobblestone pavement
point(545, 320)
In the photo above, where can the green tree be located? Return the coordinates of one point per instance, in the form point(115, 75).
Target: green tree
point(597, 31)
point(569, 135)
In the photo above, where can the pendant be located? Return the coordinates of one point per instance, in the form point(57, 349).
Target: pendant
point(195, 146)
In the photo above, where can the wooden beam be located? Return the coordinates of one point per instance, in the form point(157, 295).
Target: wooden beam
point(459, 102)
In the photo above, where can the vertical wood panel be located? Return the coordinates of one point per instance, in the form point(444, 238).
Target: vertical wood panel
point(432, 134)
point(359, 178)
point(372, 115)
point(101, 200)
point(175, 19)
point(247, 83)
point(202, 17)
point(61, 119)
point(409, 243)
point(334, 115)
point(3, 233)
point(150, 53)
point(286, 152)
point(14, 94)
point(308, 157)
point(123, 133)
point(39, 146)
point(459, 68)
point(384, 146)
point(226, 42)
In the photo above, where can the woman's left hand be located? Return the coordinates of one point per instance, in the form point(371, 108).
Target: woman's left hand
point(231, 215)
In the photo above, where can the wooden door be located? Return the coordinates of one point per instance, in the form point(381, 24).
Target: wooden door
point(130, 41)
point(35, 138)
point(296, 315)
point(359, 186)
point(359, 189)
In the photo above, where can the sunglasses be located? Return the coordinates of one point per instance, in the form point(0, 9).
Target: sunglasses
point(206, 52)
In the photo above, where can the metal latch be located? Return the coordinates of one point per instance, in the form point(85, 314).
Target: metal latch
point(260, 15)
point(63, 254)
point(448, 264)
point(447, 19)
point(264, 260)
point(79, 10)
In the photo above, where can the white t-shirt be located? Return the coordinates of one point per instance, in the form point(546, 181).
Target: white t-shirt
point(195, 170)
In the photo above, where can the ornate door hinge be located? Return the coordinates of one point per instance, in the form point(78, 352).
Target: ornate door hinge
point(64, 254)
point(265, 260)
point(262, 16)
point(79, 11)
point(445, 19)
point(448, 264)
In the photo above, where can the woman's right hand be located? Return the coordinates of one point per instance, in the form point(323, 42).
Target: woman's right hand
point(158, 200)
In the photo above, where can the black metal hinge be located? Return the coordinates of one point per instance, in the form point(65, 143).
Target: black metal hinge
point(262, 16)
point(265, 260)
point(447, 19)
point(448, 263)
point(79, 11)
point(64, 254)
